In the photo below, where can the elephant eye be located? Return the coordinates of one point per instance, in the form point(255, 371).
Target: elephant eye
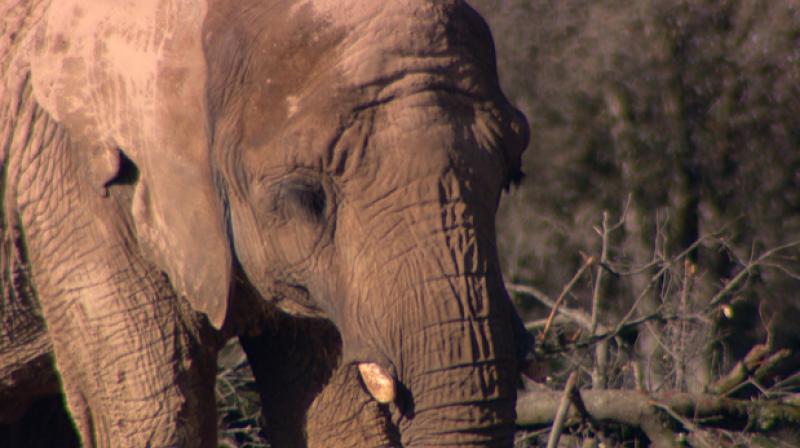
point(306, 198)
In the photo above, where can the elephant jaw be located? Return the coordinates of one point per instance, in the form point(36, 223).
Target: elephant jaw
point(378, 381)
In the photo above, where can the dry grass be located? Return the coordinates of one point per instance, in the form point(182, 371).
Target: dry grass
point(238, 404)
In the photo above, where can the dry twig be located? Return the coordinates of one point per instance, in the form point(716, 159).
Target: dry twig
point(561, 413)
point(586, 264)
point(577, 316)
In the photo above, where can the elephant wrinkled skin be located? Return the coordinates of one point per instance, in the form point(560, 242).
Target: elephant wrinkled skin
point(316, 177)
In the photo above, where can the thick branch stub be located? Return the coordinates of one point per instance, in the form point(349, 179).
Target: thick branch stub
point(759, 364)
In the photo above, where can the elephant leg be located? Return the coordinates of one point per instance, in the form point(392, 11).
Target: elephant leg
point(26, 363)
point(32, 412)
point(307, 400)
point(136, 366)
point(26, 353)
point(289, 373)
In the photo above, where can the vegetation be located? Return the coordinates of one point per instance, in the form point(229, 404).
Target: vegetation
point(238, 405)
point(654, 248)
point(664, 191)
point(658, 377)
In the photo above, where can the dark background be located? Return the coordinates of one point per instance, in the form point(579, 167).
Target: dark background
point(688, 112)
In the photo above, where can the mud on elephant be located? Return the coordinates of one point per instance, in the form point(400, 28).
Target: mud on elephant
point(177, 170)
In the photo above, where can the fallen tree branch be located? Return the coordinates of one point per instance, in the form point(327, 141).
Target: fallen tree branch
point(627, 407)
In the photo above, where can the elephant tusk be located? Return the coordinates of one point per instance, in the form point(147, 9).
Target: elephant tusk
point(378, 382)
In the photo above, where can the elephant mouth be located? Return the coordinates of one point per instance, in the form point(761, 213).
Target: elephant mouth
point(295, 300)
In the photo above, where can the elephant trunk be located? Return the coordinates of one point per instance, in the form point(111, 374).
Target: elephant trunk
point(454, 351)
point(430, 308)
point(462, 370)
point(458, 401)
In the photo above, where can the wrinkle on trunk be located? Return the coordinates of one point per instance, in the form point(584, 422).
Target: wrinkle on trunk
point(452, 343)
point(462, 377)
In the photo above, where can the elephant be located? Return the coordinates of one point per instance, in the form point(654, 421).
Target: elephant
point(318, 178)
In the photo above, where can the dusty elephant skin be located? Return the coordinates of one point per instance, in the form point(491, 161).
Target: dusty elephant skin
point(319, 178)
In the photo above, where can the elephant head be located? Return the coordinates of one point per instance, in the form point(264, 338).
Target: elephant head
point(344, 158)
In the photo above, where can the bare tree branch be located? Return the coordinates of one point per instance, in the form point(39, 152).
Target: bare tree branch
point(721, 296)
point(561, 413)
point(577, 316)
point(586, 264)
point(599, 373)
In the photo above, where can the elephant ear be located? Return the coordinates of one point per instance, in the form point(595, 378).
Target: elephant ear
point(132, 75)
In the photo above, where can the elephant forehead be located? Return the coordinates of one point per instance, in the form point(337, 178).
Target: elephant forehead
point(311, 75)
point(283, 57)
